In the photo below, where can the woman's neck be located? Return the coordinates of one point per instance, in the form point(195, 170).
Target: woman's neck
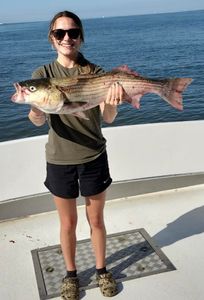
point(67, 62)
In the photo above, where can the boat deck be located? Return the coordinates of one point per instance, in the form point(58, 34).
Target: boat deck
point(174, 220)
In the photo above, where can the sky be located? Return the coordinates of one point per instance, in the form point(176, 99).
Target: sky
point(43, 10)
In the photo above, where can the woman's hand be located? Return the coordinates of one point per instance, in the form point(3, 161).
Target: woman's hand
point(114, 98)
point(115, 94)
point(36, 116)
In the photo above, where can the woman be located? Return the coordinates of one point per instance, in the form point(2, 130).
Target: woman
point(76, 155)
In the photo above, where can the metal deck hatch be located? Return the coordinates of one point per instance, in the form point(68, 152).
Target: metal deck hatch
point(130, 254)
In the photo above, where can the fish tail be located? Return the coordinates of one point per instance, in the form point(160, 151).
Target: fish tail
point(172, 91)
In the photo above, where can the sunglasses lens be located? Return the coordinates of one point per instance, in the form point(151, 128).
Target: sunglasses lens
point(59, 34)
point(73, 33)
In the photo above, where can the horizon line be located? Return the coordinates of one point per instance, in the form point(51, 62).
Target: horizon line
point(105, 17)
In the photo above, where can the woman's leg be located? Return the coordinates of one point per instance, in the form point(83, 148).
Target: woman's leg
point(68, 220)
point(94, 211)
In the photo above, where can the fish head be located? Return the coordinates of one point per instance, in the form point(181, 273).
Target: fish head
point(40, 93)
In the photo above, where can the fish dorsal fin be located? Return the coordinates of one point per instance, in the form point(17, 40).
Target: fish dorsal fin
point(125, 69)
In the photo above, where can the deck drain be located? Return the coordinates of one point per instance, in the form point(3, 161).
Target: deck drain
point(130, 254)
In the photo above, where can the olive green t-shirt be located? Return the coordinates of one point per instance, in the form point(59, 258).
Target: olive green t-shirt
point(87, 141)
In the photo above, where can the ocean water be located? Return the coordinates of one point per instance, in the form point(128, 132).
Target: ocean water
point(157, 46)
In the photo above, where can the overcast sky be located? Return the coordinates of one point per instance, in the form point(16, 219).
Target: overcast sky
point(40, 10)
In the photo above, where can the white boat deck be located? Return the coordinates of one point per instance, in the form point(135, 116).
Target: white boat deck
point(173, 218)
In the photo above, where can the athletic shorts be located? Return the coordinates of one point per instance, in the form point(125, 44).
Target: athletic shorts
point(90, 178)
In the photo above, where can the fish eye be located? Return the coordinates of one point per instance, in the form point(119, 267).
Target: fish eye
point(32, 88)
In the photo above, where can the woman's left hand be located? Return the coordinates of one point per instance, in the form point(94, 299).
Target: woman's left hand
point(115, 94)
point(114, 98)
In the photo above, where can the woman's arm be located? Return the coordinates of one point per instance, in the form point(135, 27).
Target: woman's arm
point(109, 106)
point(37, 117)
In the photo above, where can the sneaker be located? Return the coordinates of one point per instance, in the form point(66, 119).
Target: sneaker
point(107, 284)
point(70, 288)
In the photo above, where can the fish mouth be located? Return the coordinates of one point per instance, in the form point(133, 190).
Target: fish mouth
point(20, 93)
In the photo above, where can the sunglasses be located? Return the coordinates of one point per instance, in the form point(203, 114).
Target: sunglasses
point(73, 33)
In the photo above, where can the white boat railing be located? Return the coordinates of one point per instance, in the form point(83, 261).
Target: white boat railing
point(136, 152)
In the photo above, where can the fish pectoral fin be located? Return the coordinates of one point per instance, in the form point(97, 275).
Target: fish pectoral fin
point(80, 114)
point(74, 109)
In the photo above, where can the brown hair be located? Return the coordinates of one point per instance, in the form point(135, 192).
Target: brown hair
point(67, 14)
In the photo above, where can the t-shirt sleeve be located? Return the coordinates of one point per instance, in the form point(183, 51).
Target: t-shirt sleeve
point(98, 70)
point(39, 73)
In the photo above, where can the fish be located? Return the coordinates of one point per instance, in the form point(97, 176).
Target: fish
point(74, 95)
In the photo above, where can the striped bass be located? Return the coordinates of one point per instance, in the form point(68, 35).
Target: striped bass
point(76, 94)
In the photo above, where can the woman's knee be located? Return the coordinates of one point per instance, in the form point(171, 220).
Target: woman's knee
point(96, 222)
point(68, 224)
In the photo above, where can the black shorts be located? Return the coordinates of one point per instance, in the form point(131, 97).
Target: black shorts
point(90, 178)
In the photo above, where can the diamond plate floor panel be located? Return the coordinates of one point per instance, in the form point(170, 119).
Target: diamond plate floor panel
point(130, 254)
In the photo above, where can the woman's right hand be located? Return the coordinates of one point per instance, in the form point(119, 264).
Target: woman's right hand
point(36, 116)
point(36, 111)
